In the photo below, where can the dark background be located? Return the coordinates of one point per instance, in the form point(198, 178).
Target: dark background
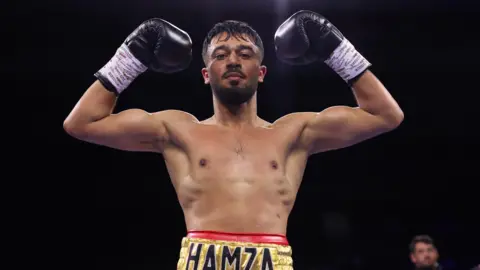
point(358, 208)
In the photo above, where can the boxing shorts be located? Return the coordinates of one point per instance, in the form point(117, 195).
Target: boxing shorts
point(224, 251)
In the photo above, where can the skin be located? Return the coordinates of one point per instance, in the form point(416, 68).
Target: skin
point(425, 255)
point(235, 172)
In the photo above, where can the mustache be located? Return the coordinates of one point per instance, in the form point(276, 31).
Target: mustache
point(234, 71)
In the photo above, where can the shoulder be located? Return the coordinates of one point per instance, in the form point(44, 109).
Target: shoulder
point(297, 118)
point(263, 123)
point(174, 115)
point(327, 115)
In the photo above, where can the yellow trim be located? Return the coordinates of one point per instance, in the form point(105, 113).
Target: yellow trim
point(281, 255)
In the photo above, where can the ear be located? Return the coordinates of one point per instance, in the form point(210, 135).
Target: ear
point(412, 258)
point(205, 76)
point(261, 73)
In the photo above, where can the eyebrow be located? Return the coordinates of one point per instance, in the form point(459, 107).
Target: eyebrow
point(237, 48)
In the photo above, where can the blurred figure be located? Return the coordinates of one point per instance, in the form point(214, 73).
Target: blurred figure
point(424, 254)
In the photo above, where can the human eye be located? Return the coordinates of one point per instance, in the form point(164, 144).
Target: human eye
point(246, 54)
point(220, 56)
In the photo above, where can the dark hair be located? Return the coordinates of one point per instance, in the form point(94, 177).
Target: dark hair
point(235, 29)
point(420, 239)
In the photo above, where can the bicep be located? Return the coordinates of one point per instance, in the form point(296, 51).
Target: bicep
point(340, 126)
point(130, 130)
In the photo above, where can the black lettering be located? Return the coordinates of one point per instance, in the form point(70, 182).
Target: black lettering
point(229, 258)
point(253, 255)
point(195, 258)
point(210, 262)
point(267, 263)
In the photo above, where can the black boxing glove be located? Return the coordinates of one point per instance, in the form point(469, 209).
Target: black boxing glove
point(306, 37)
point(155, 45)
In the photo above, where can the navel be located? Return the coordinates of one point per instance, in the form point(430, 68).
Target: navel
point(203, 162)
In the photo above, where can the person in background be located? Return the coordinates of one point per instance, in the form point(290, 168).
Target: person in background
point(424, 254)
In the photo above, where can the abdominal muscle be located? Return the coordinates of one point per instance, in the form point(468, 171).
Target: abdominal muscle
point(259, 204)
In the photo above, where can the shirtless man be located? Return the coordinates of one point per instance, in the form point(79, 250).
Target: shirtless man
point(235, 174)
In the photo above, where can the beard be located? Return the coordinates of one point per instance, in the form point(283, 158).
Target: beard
point(235, 94)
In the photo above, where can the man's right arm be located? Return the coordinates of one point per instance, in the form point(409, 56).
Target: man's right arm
point(91, 120)
point(155, 45)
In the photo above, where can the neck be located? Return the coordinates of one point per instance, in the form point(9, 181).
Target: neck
point(236, 116)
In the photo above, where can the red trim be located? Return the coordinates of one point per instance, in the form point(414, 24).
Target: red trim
point(241, 237)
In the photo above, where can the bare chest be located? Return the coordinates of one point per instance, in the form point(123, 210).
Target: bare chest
point(237, 153)
point(234, 166)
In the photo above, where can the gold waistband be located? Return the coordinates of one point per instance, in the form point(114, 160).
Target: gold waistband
point(199, 254)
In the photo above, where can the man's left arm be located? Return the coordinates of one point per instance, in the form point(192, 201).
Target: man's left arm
point(341, 126)
point(307, 37)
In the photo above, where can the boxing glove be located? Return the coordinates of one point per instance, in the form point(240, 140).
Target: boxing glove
point(155, 45)
point(306, 37)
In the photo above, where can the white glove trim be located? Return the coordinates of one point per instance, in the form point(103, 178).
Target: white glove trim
point(346, 61)
point(122, 68)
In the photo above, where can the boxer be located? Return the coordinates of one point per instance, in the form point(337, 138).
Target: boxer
point(235, 174)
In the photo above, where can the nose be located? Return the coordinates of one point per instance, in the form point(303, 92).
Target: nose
point(233, 61)
point(233, 66)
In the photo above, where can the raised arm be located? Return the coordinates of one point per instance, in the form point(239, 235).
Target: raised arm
point(91, 120)
point(341, 126)
point(155, 45)
point(306, 37)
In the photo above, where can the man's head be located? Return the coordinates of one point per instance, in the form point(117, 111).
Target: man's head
point(233, 54)
point(423, 252)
